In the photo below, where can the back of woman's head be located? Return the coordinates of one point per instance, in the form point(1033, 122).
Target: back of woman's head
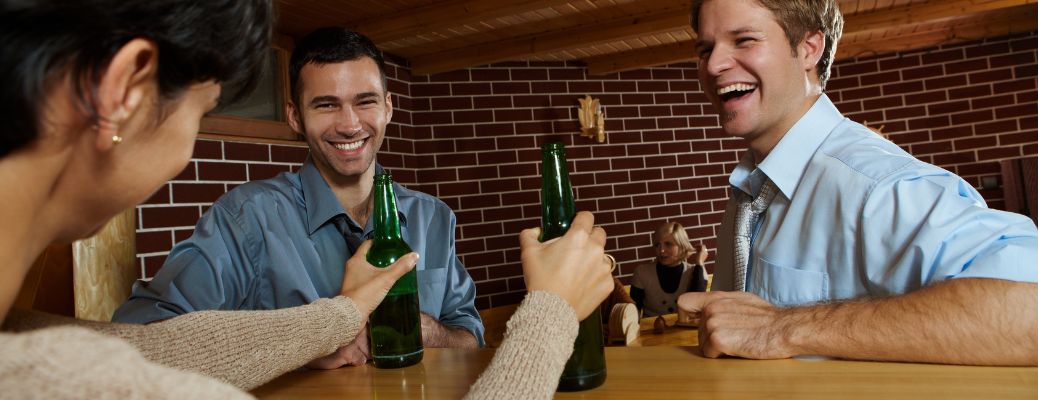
point(44, 41)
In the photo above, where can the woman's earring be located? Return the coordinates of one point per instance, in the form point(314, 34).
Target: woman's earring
point(116, 139)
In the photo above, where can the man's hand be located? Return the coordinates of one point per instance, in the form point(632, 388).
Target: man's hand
point(572, 266)
point(353, 354)
point(366, 284)
point(738, 324)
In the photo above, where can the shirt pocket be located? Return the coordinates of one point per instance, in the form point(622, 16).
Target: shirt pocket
point(784, 286)
point(432, 283)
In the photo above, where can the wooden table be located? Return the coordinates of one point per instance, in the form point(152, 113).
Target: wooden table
point(664, 372)
point(672, 335)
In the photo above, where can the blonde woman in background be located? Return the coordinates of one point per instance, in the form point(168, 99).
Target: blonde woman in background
point(655, 287)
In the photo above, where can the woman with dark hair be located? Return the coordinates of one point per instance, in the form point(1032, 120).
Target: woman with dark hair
point(102, 101)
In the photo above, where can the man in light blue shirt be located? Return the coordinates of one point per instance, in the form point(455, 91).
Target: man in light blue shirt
point(864, 252)
point(284, 242)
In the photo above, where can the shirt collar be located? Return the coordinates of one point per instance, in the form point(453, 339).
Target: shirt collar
point(322, 205)
point(786, 163)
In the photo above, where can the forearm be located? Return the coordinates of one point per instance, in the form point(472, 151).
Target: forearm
point(529, 362)
point(961, 321)
point(246, 348)
point(435, 334)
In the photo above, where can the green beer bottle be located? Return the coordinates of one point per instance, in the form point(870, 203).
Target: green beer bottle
point(585, 368)
point(395, 327)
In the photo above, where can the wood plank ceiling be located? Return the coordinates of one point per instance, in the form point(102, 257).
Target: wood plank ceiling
point(617, 35)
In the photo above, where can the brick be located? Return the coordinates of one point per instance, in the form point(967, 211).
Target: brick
point(452, 76)
point(267, 171)
point(927, 71)
point(969, 92)
point(943, 56)
point(152, 264)
point(932, 122)
point(521, 74)
point(1017, 111)
point(491, 75)
point(512, 115)
point(433, 118)
point(953, 132)
point(856, 94)
point(987, 50)
point(945, 82)
point(897, 89)
point(932, 148)
point(289, 154)
point(948, 108)
point(1018, 138)
point(972, 117)
point(246, 151)
point(1012, 60)
point(927, 97)
point(511, 87)
point(451, 103)
point(430, 89)
point(453, 131)
point(585, 87)
point(858, 68)
point(222, 171)
point(1030, 43)
point(999, 153)
point(881, 78)
point(966, 66)
point(470, 117)
point(883, 102)
point(154, 242)
point(996, 101)
point(197, 192)
point(948, 159)
point(1014, 86)
point(167, 217)
point(208, 149)
point(991, 76)
point(975, 143)
point(1029, 123)
point(496, 157)
point(455, 159)
point(471, 89)
point(996, 127)
point(1025, 71)
point(905, 112)
point(161, 196)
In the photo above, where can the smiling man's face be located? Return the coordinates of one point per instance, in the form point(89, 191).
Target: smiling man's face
point(343, 113)
point(749, 72)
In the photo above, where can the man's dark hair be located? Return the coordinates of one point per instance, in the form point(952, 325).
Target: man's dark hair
point(331, 45)
point(45, 40)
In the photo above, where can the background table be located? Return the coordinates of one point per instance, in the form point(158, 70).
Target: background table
point(672, 335)
point(664, 372)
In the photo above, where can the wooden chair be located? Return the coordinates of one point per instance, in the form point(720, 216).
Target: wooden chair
point(495, 322)
point(87, 279)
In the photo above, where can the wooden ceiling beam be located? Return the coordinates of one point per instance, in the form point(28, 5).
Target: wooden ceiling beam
point(669, 20)
point(446, 14)
point(855, 26)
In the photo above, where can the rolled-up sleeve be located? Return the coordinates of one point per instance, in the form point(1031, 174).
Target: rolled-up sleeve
point(459, 303)
point(937, 227)
point(204, 272)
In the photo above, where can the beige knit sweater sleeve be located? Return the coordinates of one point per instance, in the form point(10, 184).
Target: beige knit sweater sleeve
point(243, 348)
point(538, 341)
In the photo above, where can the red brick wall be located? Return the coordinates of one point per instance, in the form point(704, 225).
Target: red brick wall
point(471, 138)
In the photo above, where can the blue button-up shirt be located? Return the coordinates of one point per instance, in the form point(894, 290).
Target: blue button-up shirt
point(275, 243)
point(858, 216)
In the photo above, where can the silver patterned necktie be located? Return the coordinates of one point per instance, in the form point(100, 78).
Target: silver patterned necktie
point(745, 219)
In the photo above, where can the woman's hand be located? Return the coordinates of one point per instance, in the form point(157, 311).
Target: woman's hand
point(572, 266)
point(367, 284)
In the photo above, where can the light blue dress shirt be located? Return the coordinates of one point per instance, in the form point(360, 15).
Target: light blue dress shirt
point(275, 244)
point(858, 216)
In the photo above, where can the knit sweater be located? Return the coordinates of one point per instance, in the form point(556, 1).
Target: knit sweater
point(57, 357)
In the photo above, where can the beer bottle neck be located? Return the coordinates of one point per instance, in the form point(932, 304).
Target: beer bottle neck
point(387, 222)
point(557, 206)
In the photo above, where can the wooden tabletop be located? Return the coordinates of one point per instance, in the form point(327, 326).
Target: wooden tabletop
point(665, 372)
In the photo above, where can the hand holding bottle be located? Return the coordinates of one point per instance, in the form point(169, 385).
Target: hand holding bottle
point(367, 285)
point(572, 266)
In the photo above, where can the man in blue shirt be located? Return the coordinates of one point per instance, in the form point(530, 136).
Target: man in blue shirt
point(284, 242)
point(863, 251)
